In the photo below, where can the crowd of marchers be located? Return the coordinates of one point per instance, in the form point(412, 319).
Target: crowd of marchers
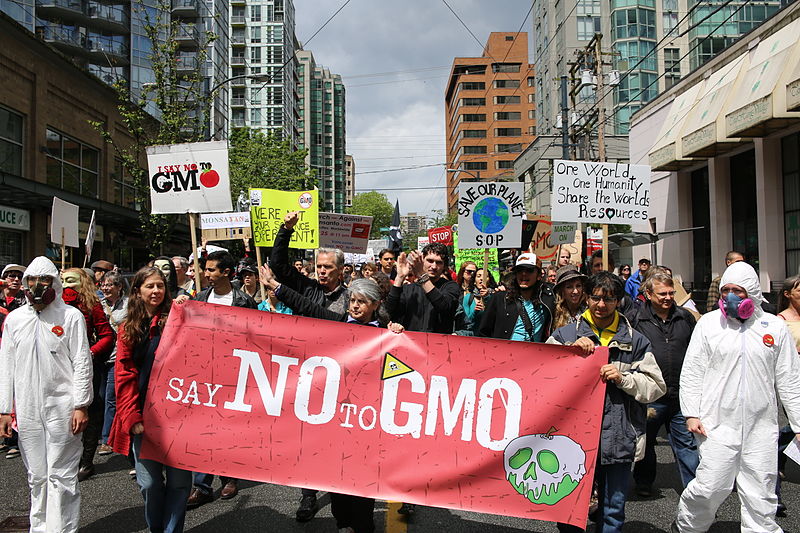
point(78, 345)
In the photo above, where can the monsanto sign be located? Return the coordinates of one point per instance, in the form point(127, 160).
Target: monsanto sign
point(443, 235)
point(189, 178)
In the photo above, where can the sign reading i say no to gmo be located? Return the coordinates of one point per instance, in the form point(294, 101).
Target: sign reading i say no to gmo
point(490, 214)
point(605, 193)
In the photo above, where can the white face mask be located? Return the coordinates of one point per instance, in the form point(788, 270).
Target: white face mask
point(164, 266)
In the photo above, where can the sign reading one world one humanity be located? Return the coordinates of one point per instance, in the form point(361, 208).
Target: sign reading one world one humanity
point(605, 193)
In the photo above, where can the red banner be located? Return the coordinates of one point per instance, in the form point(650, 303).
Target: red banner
point(443, 235)
point(484, 425)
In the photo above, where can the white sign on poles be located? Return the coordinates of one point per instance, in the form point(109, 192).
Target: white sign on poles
point(189, 178)
point(349, 233)
point(490, 214)
point(237, 219)
point(563, 233)
point(604, 193)
point(64, 216)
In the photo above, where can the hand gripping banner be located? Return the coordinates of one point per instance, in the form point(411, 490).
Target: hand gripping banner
point(485, 425)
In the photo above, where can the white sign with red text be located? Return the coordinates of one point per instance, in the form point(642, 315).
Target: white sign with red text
point(349, 233)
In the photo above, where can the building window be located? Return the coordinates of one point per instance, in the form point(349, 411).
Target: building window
point(255, 13)
point(790, 148)
point(504, 164)
point(124, 189)
point(506, 84)
point(672, 66)
point(10, 142)
point(507, 115)
point(634, 23)
point(531, 80)
point(588, 7)
point(506, 99)
point(255, 34)
point(72, 165)
point(473, 101)
point(472, 134)
point(473, 86)
point(505, 67)
point(670, 22)
point(474, 165)
point(472, 117)
point(473, 150)
point(255, 54)
point(508, 148)
point(508, 132)
point(587, 27)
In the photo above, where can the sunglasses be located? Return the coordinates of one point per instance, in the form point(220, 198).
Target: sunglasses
point(470, 271)
point(14, 274)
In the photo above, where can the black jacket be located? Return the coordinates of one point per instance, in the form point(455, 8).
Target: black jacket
point(669, 340)
point(285, 273)
point(240, 299)
point(501, 314)
point(433, 312)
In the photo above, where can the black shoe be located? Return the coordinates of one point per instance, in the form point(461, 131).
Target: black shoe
point(308, 508)
point(644, 491)
point(197, 498)
point(781, 511)
point(407, 509)
point(85, 472)
point(673, 528)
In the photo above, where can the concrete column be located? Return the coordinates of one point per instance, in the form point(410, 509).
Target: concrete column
point(719, 194)
point(769, 202)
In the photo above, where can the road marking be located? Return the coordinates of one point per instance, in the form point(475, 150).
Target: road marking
point(395, 522)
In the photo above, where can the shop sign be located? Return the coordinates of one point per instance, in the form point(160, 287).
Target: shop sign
point(15, 218)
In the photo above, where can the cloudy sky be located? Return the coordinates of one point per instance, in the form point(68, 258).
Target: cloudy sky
point(394, 58)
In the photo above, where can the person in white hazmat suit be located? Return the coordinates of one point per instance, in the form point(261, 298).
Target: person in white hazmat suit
point(737, 359)
point(46, 379)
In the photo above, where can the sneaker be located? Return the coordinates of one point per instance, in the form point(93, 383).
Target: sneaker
point(132, 472)
point(407, 509)
point(12, 453)
point(105, 449)
point(308, 508)
point(3, 447)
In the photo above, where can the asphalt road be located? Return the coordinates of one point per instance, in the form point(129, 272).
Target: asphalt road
point(112, 503)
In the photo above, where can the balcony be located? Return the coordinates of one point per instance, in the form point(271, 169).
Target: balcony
point(185, 8)
point(238, 20)
point(238, 101)
point(238, 39)
point(114, 19)
point(66, 10)
point(65, 38)
point(238, 61)
point(186, 63)
point(107, 51)
point(238, 122)
point(187, 36)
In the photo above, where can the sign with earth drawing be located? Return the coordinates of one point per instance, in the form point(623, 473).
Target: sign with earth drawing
point(490, 214)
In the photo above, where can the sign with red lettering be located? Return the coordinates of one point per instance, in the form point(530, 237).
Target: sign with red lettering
point(443, 235)
point(485, 425)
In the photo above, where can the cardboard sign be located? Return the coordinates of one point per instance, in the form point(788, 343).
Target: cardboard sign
point(490, 214)
point(604, 193)
point(540, 243)
point(443, 235)
point(348, 233)
point(64, 216)
point(189, 178)
point(462, 255)
point(268, 207)
point(563, 233)
point(437, 420)
point(528, 229)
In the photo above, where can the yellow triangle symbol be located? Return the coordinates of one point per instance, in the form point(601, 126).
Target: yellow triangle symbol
point(393, 367)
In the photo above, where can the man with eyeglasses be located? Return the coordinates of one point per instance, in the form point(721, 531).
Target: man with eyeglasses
point(669, 328)
point(632, 379)
point(13, 296)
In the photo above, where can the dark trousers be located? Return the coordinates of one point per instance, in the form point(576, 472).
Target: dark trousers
point(91, 435)
point(353, 511)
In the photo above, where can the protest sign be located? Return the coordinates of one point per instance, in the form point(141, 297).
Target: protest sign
point(437, 420)
point(540, 243)
point(443, 235)
point(358, 259)
point(189, 178)
point(604, 193)
point(268, 207)
point(378, 244)
point(490, 214)
point(422, 242)
point(225, 226)
point(89, 243)
point(64, 223)
point(475, 255)
point(349, 233)
point(563, 233)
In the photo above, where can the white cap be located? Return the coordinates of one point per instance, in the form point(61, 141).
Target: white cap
point(18, 268)
point(527, 260)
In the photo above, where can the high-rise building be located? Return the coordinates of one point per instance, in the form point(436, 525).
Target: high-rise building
point(489, 113)
point(263, 47)
point(350, 177)
point(413, 223)
point(322, 129)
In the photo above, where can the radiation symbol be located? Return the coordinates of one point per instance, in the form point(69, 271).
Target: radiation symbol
point(393, 367)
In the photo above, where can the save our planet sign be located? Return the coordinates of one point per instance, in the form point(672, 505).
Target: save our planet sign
point(490, 214)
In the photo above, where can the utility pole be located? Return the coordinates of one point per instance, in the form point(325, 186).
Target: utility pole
point(601, 126)
point(564, 120)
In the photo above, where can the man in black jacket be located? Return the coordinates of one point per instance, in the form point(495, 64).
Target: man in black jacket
point(219, 269)
point(669, 328)
point(504, 318)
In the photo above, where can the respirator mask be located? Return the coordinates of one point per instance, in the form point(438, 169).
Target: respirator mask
point(734, 307)
point(42, 292)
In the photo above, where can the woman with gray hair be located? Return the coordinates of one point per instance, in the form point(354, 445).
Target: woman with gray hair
point(354, 512)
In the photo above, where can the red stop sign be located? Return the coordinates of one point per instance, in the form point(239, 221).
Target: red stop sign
point(443, 235)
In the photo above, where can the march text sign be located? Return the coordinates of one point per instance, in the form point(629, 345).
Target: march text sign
point(189, 178)
point(269, 206)
point(437, 420)
point(490, 214)
point(349, 233)
point(604, 193)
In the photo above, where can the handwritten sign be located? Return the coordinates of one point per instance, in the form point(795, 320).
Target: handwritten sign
point(605, 193)
point(348, 233)
point(268, 207)
point(563, 233)
point(490, 214)
point(462, 255)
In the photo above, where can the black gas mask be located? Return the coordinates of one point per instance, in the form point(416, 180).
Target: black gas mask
point(42, 292)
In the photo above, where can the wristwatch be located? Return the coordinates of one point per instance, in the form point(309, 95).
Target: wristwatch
point(422, 279)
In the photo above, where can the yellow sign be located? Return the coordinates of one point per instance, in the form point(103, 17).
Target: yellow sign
point(393, 367)
point(268, 207)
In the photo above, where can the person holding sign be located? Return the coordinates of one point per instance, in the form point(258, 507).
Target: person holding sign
point(525, 311)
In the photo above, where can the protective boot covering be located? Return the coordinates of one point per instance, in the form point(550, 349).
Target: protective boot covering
point(45, 373)
point(729, 381)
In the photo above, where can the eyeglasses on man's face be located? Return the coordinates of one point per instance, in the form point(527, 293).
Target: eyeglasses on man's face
point(608, 300)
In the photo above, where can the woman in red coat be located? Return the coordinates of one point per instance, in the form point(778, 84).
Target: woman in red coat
point(149, 303)
point(80, 292)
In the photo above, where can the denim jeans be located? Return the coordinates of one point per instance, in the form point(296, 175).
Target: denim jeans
point(164, 504)
point(612, 488)
point(109, 397)
point(203, 482)
point(667, 413)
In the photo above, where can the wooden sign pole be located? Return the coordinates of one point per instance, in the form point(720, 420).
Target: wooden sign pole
point(193, 231)
point(486, 266)
point(258, 277)
point(63, 249)
point(605, 247)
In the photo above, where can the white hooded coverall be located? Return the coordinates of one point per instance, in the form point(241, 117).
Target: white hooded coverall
point(729, 380)
point(44, 377)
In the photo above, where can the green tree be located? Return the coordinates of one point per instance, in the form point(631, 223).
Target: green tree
point(375, 205)
point(258, 160)
point(182, 105)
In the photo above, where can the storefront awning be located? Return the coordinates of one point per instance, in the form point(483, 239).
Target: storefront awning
point(793, 89)
point(759, 106)
point(665, 154)
point(704, 131)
